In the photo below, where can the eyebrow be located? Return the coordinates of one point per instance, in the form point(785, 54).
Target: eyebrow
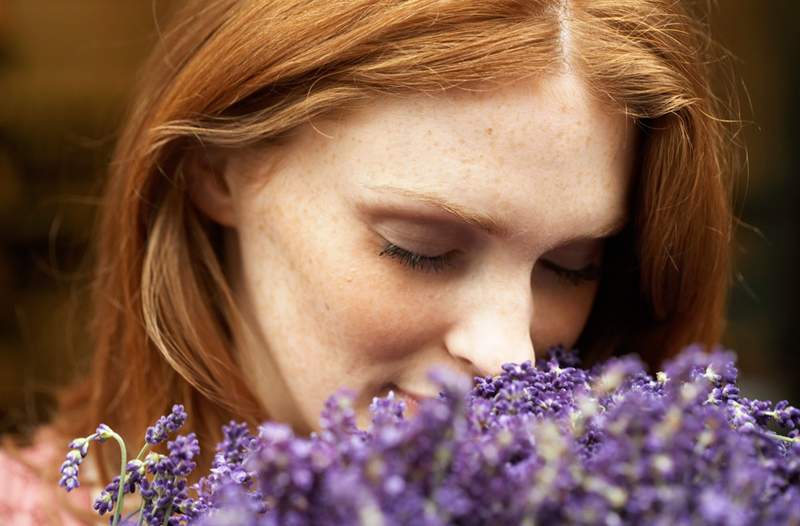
point(491, 225)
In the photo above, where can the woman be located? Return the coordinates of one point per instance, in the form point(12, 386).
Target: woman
point(310, 195)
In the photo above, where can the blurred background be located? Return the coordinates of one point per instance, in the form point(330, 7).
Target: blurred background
point(66, 72)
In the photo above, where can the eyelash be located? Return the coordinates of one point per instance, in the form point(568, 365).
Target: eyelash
point(439, 263)
point(575, 277)
point(417, 261)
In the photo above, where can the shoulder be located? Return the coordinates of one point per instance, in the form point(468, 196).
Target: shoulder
point(29, 491)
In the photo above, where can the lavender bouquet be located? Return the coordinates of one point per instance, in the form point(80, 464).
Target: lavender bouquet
point(550, 444)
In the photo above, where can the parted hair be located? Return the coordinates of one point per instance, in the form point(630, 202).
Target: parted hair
point(229, 74)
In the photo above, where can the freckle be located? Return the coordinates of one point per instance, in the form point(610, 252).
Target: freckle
point(327, 307)
point(489, 131)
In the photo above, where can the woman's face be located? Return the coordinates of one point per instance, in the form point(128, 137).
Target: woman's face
point(515, 188)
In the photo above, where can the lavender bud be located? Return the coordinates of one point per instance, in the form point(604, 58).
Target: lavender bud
point(159, 432)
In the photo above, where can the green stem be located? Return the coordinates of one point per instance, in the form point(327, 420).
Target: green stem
point(145, 449)
point(141, 513)
point(167, 515)
point(123, 465)
point(781, 437)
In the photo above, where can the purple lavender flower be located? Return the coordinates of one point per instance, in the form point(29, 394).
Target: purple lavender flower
point(69, 469)
point(545, 444)
point(107, 498)
point(550, 444)
point(227, 465)
point(182, 452)
point(165, 495)
point(165, 425)
point(78, 449)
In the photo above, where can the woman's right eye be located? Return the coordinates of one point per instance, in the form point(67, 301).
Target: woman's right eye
point(574, 277)
point(418, 261)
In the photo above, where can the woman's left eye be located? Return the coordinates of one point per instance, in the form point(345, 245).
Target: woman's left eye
point(418, 261)
point(574, 277)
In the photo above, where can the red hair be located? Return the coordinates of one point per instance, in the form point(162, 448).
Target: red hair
point(232, 74)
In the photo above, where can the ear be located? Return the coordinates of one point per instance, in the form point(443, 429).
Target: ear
point(208, 187)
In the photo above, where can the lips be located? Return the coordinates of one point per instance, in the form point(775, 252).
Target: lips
point(411, 400)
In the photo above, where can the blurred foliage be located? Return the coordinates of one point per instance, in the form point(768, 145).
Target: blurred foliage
point(66, 70)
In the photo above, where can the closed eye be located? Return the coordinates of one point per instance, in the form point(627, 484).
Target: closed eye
point(418, 261)
point(575, 277)
point(439, 263)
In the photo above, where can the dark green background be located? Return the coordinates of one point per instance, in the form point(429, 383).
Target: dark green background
point(66, 70)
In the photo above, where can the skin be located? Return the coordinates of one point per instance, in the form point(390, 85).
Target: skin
point(307, 225)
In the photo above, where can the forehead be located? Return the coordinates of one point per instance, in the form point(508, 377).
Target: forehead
point(539, 154)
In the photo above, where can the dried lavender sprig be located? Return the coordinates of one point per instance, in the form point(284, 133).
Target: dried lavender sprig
point(550, 445)
point(166, 492)
point(165, 425)
point(78, 449)
point(226, 468)
point(104, 432)
point(133, 473)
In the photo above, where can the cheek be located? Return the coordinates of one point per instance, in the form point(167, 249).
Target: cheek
point(351, 304)
point(320, 285)
point(373, 311)
point(560, 313)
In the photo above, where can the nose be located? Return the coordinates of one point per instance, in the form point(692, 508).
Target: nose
point(496, 333)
